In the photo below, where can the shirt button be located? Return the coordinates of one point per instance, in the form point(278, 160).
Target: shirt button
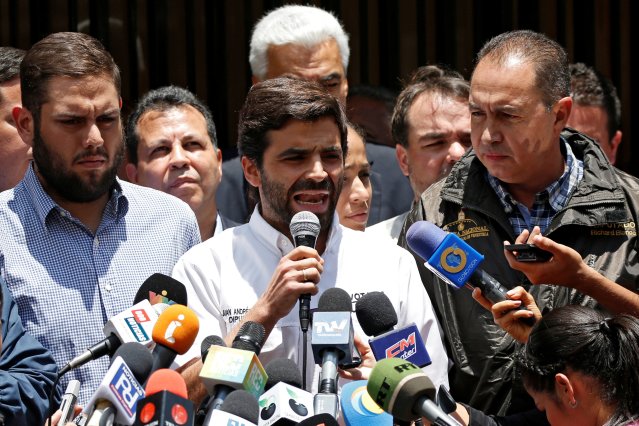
point(108, 287)
point(96, 243)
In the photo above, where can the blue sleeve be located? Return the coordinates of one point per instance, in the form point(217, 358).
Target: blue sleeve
point(27, 370)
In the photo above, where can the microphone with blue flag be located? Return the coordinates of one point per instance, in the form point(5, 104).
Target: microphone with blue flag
point(377, 317)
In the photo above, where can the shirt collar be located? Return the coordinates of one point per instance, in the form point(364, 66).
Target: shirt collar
point(44, 204)
point(557, 193)
point(271, 237)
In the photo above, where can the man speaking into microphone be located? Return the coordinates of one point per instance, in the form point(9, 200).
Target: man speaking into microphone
point(292, 139)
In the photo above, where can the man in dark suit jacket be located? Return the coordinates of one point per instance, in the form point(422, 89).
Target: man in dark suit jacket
point(172, 147)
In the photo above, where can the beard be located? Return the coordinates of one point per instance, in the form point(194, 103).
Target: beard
point(68, 184)
point(279, 200)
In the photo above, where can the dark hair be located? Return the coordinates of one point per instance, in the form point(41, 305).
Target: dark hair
point(546, 55)
point(377, 93)
point(163, 99)
point(10, 59)
point(432, 79)
point(270, 104)
point(583, 339)
point(590, 88)
point(66, 54)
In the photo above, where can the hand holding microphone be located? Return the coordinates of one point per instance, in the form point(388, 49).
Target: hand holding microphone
point(507, 315)
point(455, 262)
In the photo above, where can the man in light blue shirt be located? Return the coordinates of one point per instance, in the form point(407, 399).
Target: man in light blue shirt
point(77, 242)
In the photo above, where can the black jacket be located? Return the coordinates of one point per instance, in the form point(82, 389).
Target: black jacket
point(599, 222)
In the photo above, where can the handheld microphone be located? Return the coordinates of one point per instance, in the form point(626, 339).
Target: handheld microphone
point(377, 317)
point(322, 419)
point(239, 408)
point(69, 399)
point(359, 409)
point(283, 403)
point(454, 261)
point(238, 367)
point(332, 342)
point(402, 389)
point(117, 396)
point(305, 227)
point(133, 325)
point(165, 403)
point(174, 333)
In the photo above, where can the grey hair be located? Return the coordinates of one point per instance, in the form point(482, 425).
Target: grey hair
point(304, 25)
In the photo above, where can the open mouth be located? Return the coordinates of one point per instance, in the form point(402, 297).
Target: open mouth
point(311, 199)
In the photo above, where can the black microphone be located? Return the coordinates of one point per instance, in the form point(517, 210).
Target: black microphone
point(160, 288)
point(319, 420)
point(332, 343)
point(305, 227)
point(207, 343)
point(238, 408)
point(377, 317)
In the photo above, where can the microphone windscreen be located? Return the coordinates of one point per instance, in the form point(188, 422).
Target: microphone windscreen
point(424, 238)
point(176, 328)
point(242, 404)
point(282, 370)
point(396, 385)
point(304, 223)
point(208, 342)
point(319, 420)
point(250, 337)
point(137, 357)
point(160, 288)
point(166, 379)
point(334, 300)
point(375, 313)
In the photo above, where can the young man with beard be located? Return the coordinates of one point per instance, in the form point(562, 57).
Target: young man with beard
point(310, 43)
point(292, 138)
point(76, 240)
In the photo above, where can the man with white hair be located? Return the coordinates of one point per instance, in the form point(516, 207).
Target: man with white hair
point(309, 43)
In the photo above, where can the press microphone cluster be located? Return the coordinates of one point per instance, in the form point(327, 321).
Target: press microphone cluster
point(377, 317)
point(305, 228)
point(454, 261)
point(136, 323)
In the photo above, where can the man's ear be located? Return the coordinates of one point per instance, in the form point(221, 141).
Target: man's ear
point(131, 172)
point(402, 158)
point(562, 112)
point(614, 145)
point(24, 124)
point(251, 172)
